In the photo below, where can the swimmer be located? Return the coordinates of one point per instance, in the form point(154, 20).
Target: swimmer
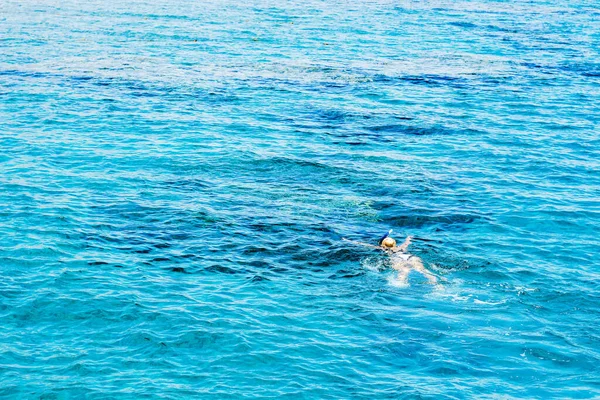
point(402, 261)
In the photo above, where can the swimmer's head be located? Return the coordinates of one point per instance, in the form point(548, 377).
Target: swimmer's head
point(388, 242)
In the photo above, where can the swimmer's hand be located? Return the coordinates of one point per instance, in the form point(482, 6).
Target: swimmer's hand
point(404, 246)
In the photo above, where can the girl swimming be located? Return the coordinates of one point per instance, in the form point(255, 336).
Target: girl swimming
point(401, 260)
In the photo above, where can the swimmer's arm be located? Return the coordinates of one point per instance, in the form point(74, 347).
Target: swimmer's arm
point(362, 244)
point(404, 246)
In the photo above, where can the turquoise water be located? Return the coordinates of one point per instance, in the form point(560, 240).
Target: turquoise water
point(175, 180)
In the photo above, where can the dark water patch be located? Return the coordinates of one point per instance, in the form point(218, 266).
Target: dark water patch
point(196, 340)
point(187, 184)
point(125, 210)
point(258, 278)
point(333, 115)
point(221, 269)
point(594, 74)
point(426, 80)
point(295, 260)
point(404, 129)
point(259, 264)
point(296, 170)
point(83, 78)
point(278, 230)
point(190, 256)
point(335, 84)
point(196, 219)
point(293, 249)
point(344, 274)
point(381, 78)
point(428, 221)
point(503, 29)
point(145, 16)
point(426, 240)
point(463, 24)
point(310, 127)
point(533, 65)
point(494, 80)
point(492, 275)
point(289, 162)
point(258, 251)
point(283, 84)
point(275, 85)
point(272, 228)
point(335, 255)
point(135, 88)
point(584, 69)
point(358, 138)
point(142, 251)
point(145, 222)
point(28, 74)
point(95, 263)
point(351, 143)
point(333, 119)
point(179, 270)
point(191, 41)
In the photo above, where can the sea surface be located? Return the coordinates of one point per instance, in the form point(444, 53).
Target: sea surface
point(176, 178)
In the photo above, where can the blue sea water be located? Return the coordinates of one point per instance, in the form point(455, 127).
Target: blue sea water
point(176, 178)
